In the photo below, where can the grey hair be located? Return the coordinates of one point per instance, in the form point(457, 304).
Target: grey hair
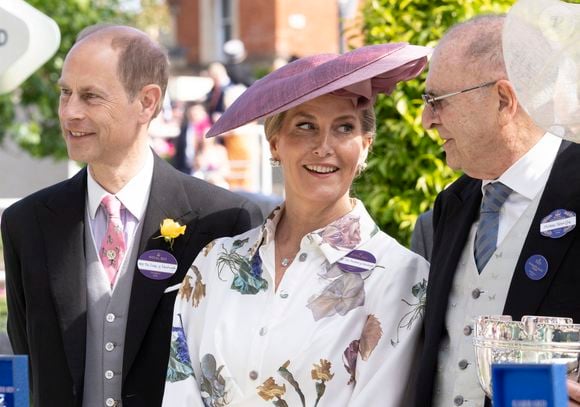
point(141, 61)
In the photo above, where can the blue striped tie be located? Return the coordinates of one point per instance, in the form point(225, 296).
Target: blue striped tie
point(496, 194)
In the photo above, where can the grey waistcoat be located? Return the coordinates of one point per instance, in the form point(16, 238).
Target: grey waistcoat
point(473, 294)
point(106, 322)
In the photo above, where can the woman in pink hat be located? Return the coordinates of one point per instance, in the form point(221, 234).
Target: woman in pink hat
point(317, 307)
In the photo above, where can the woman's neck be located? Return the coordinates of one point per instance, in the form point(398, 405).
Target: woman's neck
point(299, 220)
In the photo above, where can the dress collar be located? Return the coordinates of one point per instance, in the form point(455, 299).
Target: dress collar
point(335, 240)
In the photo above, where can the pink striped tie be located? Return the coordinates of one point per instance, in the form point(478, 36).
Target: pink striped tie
point(113, 244)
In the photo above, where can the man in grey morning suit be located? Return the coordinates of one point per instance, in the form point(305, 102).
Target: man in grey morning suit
point(96, 339)
point(488, 135)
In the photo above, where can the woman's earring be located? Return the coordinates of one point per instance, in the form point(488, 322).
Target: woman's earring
point(274, 163)
point(362, 166)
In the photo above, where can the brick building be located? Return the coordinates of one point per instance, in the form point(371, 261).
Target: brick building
point(269, 29)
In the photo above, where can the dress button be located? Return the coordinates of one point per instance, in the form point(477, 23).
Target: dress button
point(110, 402)
point(109, 374)
point(283, 294)
point(467, 330)
point(109, 346)
point(302, 257)
point(458, 400)
point(463, 364)
point(110, 317)
point(253, 375)
point(476, 293)
point(263, 331)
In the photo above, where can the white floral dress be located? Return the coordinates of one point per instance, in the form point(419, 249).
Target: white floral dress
point(341, 330)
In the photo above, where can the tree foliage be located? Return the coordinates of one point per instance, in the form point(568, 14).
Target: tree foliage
point(406, 168)
point(29, 114)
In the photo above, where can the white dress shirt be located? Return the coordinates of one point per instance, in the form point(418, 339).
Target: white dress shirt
point(526, 177)
point(134, 197)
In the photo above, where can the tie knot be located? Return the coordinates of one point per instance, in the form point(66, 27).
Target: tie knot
point(496, 194)
point(112, 205)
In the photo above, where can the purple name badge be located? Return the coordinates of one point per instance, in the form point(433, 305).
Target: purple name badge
point(157, 264)
point(357, 261)
point(536, 267)
point(558, 223)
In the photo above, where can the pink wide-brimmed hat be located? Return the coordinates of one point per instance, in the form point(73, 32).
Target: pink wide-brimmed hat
point(360, 75)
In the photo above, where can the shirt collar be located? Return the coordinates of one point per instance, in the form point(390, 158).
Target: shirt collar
point(134, 195)
point(336, 239)
point(528, 175)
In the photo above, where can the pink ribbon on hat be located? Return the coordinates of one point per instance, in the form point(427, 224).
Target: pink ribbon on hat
point(364, 93)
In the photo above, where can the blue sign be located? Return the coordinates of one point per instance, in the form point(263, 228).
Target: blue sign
point(14, 381)
point(529, 385)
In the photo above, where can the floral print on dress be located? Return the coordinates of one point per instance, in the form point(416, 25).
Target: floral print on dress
point(270, 390)
point(208, 248)
point(370, 337)
point(247, 271)
point(213, 385)
point(320, 374)
point(195, 293)
point(349, 358)
point(289, 377)
point(342, 295)
point(343, 233)
point(326, 328)
point(417, 311)
point(346, 290)
point(179, 366)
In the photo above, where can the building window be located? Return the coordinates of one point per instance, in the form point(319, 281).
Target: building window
point(227, 19)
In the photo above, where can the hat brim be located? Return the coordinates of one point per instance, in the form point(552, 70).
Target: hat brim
point(311, 77)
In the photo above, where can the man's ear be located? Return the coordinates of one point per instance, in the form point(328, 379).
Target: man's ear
point(149, 100)
point(508, 101)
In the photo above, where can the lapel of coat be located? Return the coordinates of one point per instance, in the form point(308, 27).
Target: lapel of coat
point(63, 226)
point(525, 295)
point(167, 199)
point(452, 228)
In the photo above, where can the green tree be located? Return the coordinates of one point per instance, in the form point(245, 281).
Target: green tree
point(407, 167)
point(29, 114)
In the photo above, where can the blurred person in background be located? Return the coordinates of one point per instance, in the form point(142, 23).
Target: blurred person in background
point(195, 124)
point(238, 70)
point(211, 162)
point(214, 102)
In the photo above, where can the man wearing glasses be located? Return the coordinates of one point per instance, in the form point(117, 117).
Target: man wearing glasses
point(505, 238)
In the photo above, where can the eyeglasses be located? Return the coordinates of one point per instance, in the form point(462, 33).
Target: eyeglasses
point(432, 100)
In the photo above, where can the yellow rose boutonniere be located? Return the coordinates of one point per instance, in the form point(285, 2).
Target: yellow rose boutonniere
point(170, 230)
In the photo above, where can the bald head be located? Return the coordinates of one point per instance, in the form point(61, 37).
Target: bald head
point(477, 43)
point(141, 61)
